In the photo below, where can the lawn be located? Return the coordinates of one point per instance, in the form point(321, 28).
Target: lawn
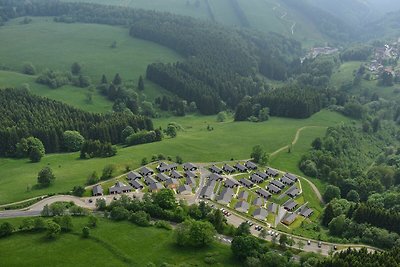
point(108, 244)
point(87, 44)
point(194, 143)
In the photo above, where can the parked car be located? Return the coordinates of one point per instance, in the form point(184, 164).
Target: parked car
point(308, 242)
point(319, 244)
point(334, 247)
point(90, 200)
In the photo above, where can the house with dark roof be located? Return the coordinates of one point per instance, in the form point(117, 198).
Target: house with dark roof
point(119, 188)
point(226, 196)
point(228, 168)
point(97, 190)
point(273, 189)
point(136, 184)
point(291, 176)
point(155, 187)
point(272, 172)
point(215, 177)
point(286, 180)
point(189, 167)
point(172, 183)
point(211, 183)
point(293, 191)
point(263, 193)
point(184, 190)
point(246, 182)
point(163, 167)
point(215, 169)
point(162, 177)
point(306, 212)
point(250, 165)
point(190, 174)
point(133, 175)
point(146, 171)
point(231, 183)
point(289, 218)
point(290, 205)
point(175, 174)
point(260, 214)
point(272, 208)
point(256, 179)
point(263, 175)
point(173, 166)
point(242, 206)
point(240, 167)
point(148, 180)
point(207, 192)
point(258, 202)
point(190, 181)
point(243, 195)
point(278, 184)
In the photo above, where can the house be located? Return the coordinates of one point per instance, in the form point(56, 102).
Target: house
point(211, 183)
point(133, 176)
point(215, 169)
point(190, 181)
point(172, 183)
point(293, 192)
point(273, 189)
point(149, 180)
point(97, 190)
point(136, 184)
point(290, 205)
point(163, 167)
point(226, 196)
point(291, 176)
point(184, 190)
point(119, 188)
point(162, 177)
point(306, 212)
point(289, 218)
point(146, 171)
point(215, 177)
point(260, 214)
point(272, 208)
point(277, 184)
point(263, 175)
point(242, 206)
point(173, 166)
point(250, 165)
point(263, 193)
point(231, 183)
point(243, 195)
point(228, 168)
point(256, 179)
point(287, 181)
point(155, 187)
point(258, 202)
point(246, 183)
point(240, 167)
point(190, 174)
point(272, 172)
point(207, 192)
point(189, 167)
point(175, 174)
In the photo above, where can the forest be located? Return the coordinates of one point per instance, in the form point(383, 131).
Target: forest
point(25, 115)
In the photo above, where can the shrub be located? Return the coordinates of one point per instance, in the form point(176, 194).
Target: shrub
point(163, 224)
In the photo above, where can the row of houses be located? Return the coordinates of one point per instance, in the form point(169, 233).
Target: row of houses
point(276, 186)
point(247, 166)
point(290, 217)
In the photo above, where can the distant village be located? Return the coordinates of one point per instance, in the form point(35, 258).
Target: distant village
point(384, 59)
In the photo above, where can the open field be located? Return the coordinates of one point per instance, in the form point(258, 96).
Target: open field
point(110, 242)
point(194, 143)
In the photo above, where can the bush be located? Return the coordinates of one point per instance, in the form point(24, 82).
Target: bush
point(140, 218)
point(93, 178)
point(85, 232)
point(163, 224)
point(45, 177)
point(73, 141)
point(78, 191)
point(53, 230)
point(119, 214)
point(28, 69)
point(108, 172)
point(6, 229)
point(210, 260)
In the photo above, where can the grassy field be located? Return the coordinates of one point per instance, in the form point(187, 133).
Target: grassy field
point(110, 242)
point(194, 143)
point(88, 44)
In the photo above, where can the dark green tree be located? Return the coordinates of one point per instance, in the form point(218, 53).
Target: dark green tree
point(45, 177)
point(141, 83)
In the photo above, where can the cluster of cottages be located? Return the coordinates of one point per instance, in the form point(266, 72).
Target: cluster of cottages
point(257, 177)
point(167, 177)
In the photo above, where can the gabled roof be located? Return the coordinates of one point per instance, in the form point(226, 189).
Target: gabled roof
point(240, 167)
point(133, 175)
point(136, 184)
point(162, 177)
point(272, 172)
point(262, 175)
point(215, 169)
point(97, 189)
point(176, 174)
point(230, 183)
point(215, 177)
point(290, 204)
point(274, 189)
point(149, 180)
point(242, 206)
point(190, 181)
point(189, 166)
point(190, 174)
point(263, 193)
point(260, 214)
point(228, 168)
point(277, 184)
point(255, 178)
point(207, 191)
point(306, 212)
point(243, 195)
point(286, 180)
point(171, 181)
point(251, 165)
point(146, 171)
point(289, 218)
point(184, 188)
point(258, 201)
point(246, 182)
point(211, 183)
point(162, 167)
point(293, 191)
point(173, 166)
point(226, 196)
point(156, 186)
point(119, 187)
point(273, 207)
point(291, 176)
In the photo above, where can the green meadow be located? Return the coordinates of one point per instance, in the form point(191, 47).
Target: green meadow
point(227, 140)
point(109, 244)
